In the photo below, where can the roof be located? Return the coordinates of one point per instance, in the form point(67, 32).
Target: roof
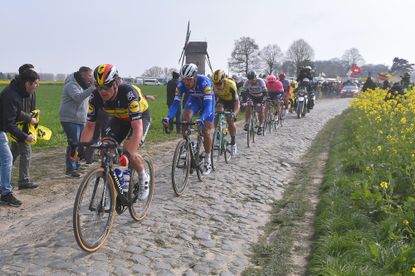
point(196, 47)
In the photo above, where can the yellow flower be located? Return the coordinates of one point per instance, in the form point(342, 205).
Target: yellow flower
point(384, 185)
point(405, 222)
point(379, 148)
point(413, 269)
point(403, 120)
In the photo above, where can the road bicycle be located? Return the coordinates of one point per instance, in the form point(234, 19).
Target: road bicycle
point(274, 115)
point(188, 158)
point(100, 195)
point(252, 123)
point(220, 143)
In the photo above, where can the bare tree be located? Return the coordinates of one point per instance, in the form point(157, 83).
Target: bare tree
point(154, 72)
point(352, 57)
point(271, 56)
point(244, 56)
point(299, 53)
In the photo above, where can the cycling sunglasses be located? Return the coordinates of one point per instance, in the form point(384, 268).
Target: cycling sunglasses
point(104, 86)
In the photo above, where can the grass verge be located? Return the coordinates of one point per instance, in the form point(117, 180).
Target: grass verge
point(285, 245)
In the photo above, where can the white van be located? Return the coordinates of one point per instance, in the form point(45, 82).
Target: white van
point(151, 82)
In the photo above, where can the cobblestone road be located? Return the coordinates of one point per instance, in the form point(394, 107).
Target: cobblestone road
point(208, 230)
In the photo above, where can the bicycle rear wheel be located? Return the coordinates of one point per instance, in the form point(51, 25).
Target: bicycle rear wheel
point(227, 151)
point(252, 128)
point(93, 212)
point(199, 158)
point(216, 147)
point(181, 167)
point(138, 208)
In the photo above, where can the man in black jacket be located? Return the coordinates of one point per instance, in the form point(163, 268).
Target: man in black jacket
point(171, 93)
point(23, 149)
point(11, 102)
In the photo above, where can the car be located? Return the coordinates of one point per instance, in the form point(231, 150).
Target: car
point(349, 90)
point(151, 82)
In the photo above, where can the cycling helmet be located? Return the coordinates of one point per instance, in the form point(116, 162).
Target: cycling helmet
point(188, 70)
point(218, 76)
point(282, 76)
point(271, 78)
point(306, 80)
point(105, 74)
point(251, 75)
point(307, 67)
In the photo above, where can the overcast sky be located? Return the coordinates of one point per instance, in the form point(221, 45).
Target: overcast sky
point(58, 36)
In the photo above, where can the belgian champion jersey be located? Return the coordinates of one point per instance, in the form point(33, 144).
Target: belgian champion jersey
point(126, 105)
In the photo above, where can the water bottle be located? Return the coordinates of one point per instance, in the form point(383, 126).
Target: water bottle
point(120, 175)
point(194, 145)
point(126, 180)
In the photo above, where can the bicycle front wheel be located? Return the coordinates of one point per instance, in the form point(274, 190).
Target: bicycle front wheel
point(93, 212)
point(181, 167)
point(138, 208)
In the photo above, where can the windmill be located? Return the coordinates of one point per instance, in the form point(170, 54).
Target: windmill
point(195, 52)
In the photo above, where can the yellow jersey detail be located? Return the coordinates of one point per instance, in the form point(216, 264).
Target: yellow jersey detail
point(229, 91)
point(134, 106)
point(143, 101)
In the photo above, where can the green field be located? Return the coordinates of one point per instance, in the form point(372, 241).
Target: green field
point(48, 101)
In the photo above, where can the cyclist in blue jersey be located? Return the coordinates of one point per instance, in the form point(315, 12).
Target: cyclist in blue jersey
point(201, 99)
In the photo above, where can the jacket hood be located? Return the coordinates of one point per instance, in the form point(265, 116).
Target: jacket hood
point(18, 86)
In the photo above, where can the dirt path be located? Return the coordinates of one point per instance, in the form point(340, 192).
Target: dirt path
point(209, 230)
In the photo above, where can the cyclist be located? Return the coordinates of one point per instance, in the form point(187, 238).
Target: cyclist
point(130, 117)
point(226, 97)
point(275, 93)
point(199, 90)
point(287, 89)
point(254, 89)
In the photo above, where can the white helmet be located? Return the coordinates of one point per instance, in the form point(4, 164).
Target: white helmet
point(306, 80)
point(188, 71)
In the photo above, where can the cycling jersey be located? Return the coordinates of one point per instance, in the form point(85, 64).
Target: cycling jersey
point(199, 98)
point(257, 89)
point(287, 86)
point(128, 105)
point(229, 91)
point(275, 86)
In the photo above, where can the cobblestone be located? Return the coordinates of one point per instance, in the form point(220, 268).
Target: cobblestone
point(210, 229)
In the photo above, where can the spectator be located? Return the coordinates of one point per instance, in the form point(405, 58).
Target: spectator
point(171, 93)
point(23, 149)
point(369, 84)
point(386, 85)
point(74, 106)
point(11, 104)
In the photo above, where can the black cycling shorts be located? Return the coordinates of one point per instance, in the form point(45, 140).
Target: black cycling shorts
point(120, 130)
point(227, 105)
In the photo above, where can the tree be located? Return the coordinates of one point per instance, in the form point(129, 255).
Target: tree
point(352, 57)
point(299, 53)
point(401, 66)
point(271, 55)
point(331, 68)
point(153, 72)
point(244, 56)
point(288, 68)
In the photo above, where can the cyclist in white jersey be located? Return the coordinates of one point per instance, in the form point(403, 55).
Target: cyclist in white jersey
point(254, 90)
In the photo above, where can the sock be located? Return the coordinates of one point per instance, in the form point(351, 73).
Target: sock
point(232, 140)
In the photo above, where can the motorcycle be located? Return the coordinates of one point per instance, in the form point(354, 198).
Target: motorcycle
point(301, 102)
point(311, 101)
